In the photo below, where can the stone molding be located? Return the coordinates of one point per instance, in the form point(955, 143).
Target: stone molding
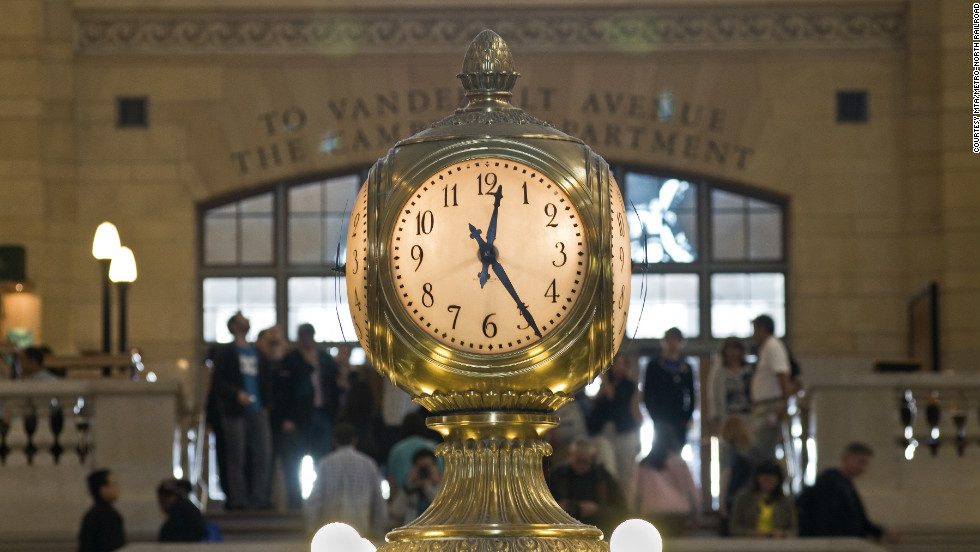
point(412, 32)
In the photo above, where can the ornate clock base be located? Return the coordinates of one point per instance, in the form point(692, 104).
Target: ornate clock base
point(498, 544)
point(494, 497)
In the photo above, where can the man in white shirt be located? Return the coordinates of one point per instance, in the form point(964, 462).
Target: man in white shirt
point(770, 385)
point(348, 488)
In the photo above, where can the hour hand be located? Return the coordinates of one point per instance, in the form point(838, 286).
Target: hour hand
point(492, 228)
point(484, 274)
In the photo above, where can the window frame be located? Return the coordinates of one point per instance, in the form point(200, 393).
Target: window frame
point(704, 266)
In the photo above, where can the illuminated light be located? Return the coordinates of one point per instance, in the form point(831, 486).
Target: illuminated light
point(307, 476)
point(559, 388)
point(934, 433)
point(687, 453)
point(592, 389)
point(178, 472)
point(183, 364)
point(151, 377)
point(647, 434)
point(19, 288)
point(106, 241)
point(910, 451)
point(908, 433)
point(330, 142)
point(123, 267)
point(811, 467)
point(339, 537)
point(636, 535)
point(385, 489)
point(715, 472)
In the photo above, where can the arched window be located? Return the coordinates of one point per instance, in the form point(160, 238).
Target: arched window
point(707, 257)
point(274, 256)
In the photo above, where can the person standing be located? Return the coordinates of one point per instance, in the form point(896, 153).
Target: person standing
point(833, 508)
point(311, 390)
point(244, 391)
point(770, 385)
point(729, 392)
point(666, 494)
point(348, 488)
point(102, 527)
point(616, 417)
point(668, 389)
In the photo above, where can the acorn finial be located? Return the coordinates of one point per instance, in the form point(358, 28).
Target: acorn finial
point(488, 66)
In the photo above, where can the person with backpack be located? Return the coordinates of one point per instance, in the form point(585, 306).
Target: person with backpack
point(771, 388)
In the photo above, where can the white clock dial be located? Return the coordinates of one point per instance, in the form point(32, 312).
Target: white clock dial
point(488, 256)
point(356, 270)
point(621, 262)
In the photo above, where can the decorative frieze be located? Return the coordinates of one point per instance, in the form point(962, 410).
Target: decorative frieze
point(607, 30)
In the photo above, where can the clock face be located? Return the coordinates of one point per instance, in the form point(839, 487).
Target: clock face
point(356, 269)
point(488, 256)
point(621, 262)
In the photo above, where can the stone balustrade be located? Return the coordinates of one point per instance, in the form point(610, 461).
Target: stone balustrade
point(54, 433)
point(911, 490)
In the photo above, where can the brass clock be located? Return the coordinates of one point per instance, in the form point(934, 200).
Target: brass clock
point(488, 275)
point(488, 256)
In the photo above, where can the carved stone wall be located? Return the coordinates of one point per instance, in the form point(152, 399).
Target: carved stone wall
point(615, 30)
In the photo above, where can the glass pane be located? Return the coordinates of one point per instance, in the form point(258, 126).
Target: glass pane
point(220, 291)
point(323, 303)
point(765, 236)
point(660, 301)
point(766, 285)
point(341, 193)
point(229, 210)
point(256, 240)
point(663, 226)
point(220, 245)
point(728, 232)
point(257, 205)
point(305, 245)
point(727, 201)
point(306, 199)
point(223, 297)
point(335, 233)
point(738, 298)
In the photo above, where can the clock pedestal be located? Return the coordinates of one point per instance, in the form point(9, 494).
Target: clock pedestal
point(494, 497)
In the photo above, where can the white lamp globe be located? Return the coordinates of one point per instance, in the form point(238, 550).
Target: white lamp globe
point(339, 537)
point(636, 535)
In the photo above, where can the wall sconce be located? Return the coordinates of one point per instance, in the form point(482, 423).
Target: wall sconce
point(122, 271)
point(104, 248)
point(20, 314)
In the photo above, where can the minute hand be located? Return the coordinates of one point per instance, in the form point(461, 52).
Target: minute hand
point(499, 271)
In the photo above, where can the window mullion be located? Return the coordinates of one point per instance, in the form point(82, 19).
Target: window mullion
point(279, 227)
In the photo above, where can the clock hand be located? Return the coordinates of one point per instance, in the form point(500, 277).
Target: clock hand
point(492, 228)
point(486, 255)
point(499, 271)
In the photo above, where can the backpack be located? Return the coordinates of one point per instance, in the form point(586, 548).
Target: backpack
point(804, 511)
